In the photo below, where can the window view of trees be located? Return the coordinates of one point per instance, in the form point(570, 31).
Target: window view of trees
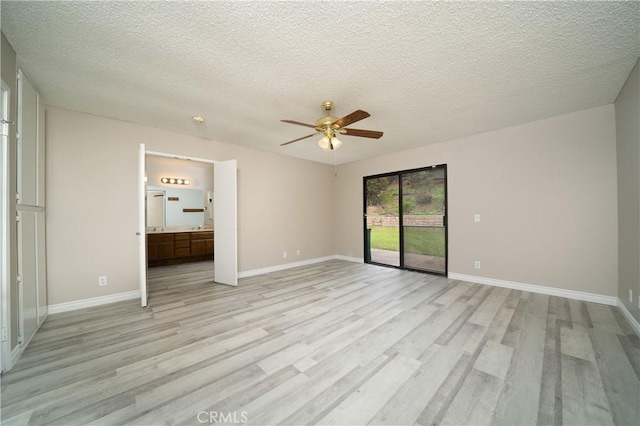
point(422, 194)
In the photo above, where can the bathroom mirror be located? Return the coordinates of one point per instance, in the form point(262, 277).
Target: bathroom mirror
point(177, 207)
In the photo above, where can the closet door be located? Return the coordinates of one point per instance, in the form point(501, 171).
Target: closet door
point(28, 274)
point(41, 273)
point(27, 143)
point(30, 197)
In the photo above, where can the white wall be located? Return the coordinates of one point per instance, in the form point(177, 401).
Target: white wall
point(283, 203)
point(627, 108)
point(546, 192)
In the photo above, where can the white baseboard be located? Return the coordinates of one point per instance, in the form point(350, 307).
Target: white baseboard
point(550, 291)
point(275, 268)
point(94, 301)
point(634, 322)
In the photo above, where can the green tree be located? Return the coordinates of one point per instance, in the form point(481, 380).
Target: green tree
point(375, 188)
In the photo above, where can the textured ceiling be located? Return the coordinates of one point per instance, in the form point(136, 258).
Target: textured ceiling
point(426, 71)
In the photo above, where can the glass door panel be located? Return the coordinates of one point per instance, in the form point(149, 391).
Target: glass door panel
point(423, 220)
point(382, 231)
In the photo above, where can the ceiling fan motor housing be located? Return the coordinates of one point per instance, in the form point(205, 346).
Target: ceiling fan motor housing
point(328, 106)
point(326, 122)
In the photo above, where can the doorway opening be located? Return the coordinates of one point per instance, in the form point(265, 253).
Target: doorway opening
point(200, 223)
point(179, 221)
point(405, 219)
point(179, 211)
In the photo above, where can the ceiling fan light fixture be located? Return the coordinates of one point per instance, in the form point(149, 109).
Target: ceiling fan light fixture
point(337, 143)
point(329, 142)
point(324, 143)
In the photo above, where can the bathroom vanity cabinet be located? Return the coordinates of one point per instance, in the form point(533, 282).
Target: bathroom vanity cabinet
point(169, 248)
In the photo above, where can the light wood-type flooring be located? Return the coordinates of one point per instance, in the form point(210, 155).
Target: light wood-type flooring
point(331, 343)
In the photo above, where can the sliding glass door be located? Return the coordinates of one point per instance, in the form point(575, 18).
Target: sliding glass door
point(405, 219)
point(423, 220)
point(382, 236)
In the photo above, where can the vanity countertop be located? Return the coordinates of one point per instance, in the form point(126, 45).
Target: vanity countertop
point(176, 231)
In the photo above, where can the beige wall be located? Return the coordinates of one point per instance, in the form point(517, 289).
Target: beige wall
point(200, 175)
point(283, 203)
point(546, 193)
point(627, 109)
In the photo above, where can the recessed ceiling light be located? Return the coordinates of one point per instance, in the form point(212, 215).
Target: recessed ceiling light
point(197, 119)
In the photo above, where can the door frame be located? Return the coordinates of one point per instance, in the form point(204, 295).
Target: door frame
point(142, 217)
point(399, 174)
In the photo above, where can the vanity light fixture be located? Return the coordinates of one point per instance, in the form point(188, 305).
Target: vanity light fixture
point(175, 181)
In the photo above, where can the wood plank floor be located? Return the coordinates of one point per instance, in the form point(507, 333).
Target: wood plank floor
point(331, 343)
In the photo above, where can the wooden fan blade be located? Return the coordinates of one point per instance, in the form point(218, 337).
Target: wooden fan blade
point(351, 118)
point(362, 133)
point(296, 140)
point(299, 123)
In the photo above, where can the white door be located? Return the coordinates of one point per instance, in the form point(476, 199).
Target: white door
point(225, 222)
point(142, 232)
point(41, 259)
point(27, 209)
point(27, 270)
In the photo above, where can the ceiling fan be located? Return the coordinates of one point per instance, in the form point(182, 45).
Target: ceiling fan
point(330, 126)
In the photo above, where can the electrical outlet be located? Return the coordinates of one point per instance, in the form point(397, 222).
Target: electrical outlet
point(477, 264)
point(284, 254)
point(476, 217)
point(630, 295)
point(102, 280)
point(298, 252)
